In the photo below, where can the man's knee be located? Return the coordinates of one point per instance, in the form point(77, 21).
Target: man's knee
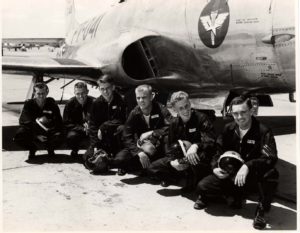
point(122, 157)
point(159, 165)
point(55, 139)
point(73, 138)
point(23, 137)
point(203, 186)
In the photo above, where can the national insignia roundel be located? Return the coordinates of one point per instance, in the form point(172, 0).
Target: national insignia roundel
point(213, 23)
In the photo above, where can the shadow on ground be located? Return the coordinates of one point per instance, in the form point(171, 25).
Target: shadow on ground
point(219, 207)
point(57, 158)
point(288, 219)
point(281, 125)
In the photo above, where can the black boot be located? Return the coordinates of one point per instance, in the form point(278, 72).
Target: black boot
point(200, 203)
point(259, 221)
point(31, 154)
point(74, 153)
point(51, 152)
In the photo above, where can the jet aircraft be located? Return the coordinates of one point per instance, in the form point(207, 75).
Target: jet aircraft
point(209, 48)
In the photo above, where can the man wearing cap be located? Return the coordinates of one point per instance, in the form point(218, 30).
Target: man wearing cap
point(76, 116)
point(148, 120)
point(40, 122)
point(192, 133)
point(254, 145)
point(108, 114)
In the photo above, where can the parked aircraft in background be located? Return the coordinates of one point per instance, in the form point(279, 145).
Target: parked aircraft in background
point(209, 48)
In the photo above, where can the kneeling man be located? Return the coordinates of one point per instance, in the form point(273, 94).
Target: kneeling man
point(76, 117)
point(253, 144)
point(40, 122)
point(196, 134)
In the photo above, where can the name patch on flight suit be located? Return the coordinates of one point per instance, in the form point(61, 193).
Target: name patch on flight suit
point(192, 130)
point(49, 112)
point(154, 116)
point(250, 141)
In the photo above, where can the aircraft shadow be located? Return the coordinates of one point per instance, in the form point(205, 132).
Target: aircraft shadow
point(8, 133)
point(140, 180)
point(280, 125)
point(57, 158)
point(287, 221)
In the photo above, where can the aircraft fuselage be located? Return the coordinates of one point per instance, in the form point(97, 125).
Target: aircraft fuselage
point(200, 46)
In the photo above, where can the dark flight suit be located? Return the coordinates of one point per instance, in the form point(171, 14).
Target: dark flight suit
point(198, 130)
point(107, 117)
point(257, 149)
point(75, 115)
point(135, 126)
point(29, 129)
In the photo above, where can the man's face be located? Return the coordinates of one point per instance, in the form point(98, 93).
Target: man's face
point(40, 95)
point(183, 109)
point(81, 94)
point(242, 115)
point(106, 90)
point(144, 99)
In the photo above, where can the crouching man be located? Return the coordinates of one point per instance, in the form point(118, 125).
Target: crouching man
point(148, 120)
point(108, 114)
point(40, 122)
point(190, 145)
point(76, 116)
point(251, 144)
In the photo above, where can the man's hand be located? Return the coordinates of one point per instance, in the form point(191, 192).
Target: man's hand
point(86, 128)
point(220, 173)
point(144, 159)
point(192, 156)
point(99, 134)
point(146, 135)
point(240, 178)
point(41, 138)
point(179, 167)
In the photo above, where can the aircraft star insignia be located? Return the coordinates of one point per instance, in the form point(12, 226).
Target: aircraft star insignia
point(213, 22)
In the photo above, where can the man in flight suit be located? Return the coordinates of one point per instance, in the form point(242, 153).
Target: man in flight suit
point(194, 127)
point(108, 114)
point(147, 119)
point(256, 145)
point(76, 116)
point(40, 122)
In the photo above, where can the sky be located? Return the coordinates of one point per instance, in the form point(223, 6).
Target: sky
point(44, 18)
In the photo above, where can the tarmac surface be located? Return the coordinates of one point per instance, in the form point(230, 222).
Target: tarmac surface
point(59, 194)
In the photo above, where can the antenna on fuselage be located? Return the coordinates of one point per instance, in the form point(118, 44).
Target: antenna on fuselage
point(71, 21)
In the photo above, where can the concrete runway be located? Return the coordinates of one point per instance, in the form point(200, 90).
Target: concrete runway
point(59, 194)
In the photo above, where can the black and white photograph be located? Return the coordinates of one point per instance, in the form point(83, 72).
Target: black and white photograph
point(149, 115)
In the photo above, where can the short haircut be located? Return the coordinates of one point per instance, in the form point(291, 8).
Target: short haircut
point(81, 85)
point(240, 100)
point(40, 85)
point(105, 79)
point(178, 96)
point(144, 88)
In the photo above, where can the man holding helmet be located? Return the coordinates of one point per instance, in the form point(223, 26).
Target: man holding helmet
point(190, 145)
point(40, 122)
point(250, 149)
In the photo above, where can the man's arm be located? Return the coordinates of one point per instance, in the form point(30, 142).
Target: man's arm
point(218, 151)
point(268, 153)
point(67, 117)
point(26, 118)
point(206, 148)
point(167, 117)
point(57, 116)
point(130, 141)
point(93, 123)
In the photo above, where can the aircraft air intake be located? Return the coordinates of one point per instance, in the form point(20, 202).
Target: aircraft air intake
point(138, 61)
